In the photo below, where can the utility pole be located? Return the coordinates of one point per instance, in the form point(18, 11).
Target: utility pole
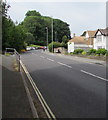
point(47, 37)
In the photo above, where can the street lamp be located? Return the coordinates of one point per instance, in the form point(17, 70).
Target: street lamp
point(47, 37)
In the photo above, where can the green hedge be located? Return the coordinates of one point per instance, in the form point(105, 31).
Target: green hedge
point(92, 51)
point(55, 45)
point(101, 51)
point(78, 51)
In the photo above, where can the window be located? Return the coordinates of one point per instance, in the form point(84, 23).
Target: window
point(99, 38)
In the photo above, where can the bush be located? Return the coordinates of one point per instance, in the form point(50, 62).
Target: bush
point(78, 51)
point(64, 45)
point(91, 51)
point(107, 53)
point(84, 53)
point(102, 51)
point(55, 45)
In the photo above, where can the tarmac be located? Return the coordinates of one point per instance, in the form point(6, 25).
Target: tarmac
point(15, 103)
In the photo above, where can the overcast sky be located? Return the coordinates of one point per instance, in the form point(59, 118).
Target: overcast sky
point(80, 16)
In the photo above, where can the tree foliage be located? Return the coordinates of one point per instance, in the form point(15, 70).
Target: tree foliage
point(33, 13)
point(36, 25)
point(12, 36)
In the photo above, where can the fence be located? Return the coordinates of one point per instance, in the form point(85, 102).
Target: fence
point(17, 56)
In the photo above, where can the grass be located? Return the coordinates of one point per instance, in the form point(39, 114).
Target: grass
point(7, 54)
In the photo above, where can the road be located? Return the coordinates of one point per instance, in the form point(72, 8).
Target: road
point(71, 88)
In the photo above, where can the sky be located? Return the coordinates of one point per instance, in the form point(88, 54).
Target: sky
point(81, 16)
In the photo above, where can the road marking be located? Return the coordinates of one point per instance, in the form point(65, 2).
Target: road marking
point(64, 64)
point(38, 93)
point(94, 75)
point(50, 59)
point(42, 56)
point(34, 54)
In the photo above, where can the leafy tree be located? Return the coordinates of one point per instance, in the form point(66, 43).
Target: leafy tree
point(64, 39)
point(12, 36)
point(36, 25)
point(29, 38)
point(33, 13)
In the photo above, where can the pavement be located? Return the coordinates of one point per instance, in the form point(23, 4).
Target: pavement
point(15, 103)
point(82, 59)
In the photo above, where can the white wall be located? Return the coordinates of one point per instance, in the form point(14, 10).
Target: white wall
point(70, 47)
point(101, 44)
point(87, 35)
point(107, 42)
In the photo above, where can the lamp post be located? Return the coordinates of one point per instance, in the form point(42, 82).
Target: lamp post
point(47, 37)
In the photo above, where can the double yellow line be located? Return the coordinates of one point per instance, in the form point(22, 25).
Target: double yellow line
point(48, 111)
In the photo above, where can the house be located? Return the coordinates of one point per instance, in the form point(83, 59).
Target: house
point(101, 39)
point(85, 41)
point(89, 37)
point(78, 42)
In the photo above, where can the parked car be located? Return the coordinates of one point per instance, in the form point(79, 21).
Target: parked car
point(28, 48)
point(32, 48)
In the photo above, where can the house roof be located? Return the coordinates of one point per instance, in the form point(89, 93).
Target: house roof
point(78, 40)
point(103, 32)
point(91, 33)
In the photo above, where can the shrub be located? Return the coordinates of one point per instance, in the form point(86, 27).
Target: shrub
point(92, 51)
point(101, 51)
point(107, 53)
point(64, 45)
point(78, 51)
point(84, 53)
point(55, 45)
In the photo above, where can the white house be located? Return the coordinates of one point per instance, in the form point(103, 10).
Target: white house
point(85, 41)
point(101, 39)
point(78, 42)
point(89, 37)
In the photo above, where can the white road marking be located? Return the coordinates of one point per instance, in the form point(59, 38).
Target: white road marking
point(42, 56)
point(64, 64)
point(94, 75)
point(50, 59)
point(38, 93)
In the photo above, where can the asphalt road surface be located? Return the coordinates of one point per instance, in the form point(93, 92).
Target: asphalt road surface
point(71, 88)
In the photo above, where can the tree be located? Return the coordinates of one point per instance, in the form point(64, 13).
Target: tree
point(36, 24)
point(33, 13)
point(12, 36)
point(65, 39)
point(29, 38)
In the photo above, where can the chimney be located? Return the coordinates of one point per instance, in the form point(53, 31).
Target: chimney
point(73, 35)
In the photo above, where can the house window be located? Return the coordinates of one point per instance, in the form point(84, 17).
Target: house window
point(99, 38)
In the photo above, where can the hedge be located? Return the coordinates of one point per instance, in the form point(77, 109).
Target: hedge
point(101, 51)
point(78, 51)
